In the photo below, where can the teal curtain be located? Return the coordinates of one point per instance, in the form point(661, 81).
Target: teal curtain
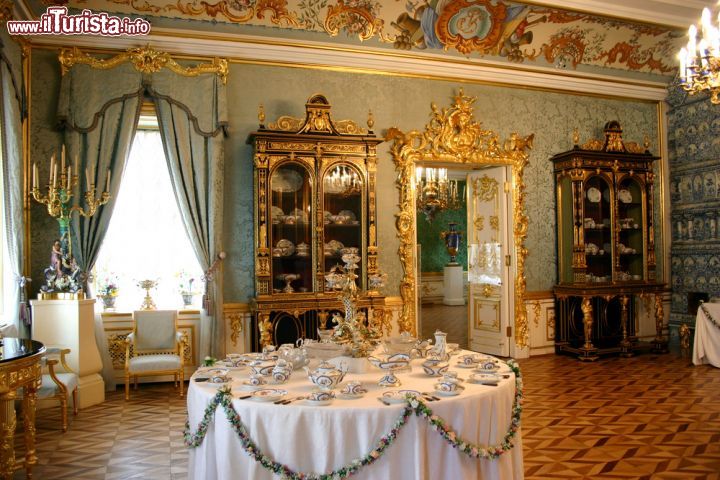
point(98, 111)
point(192, 119)
point(11, 117)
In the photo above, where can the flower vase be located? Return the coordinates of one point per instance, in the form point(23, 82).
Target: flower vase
point(108, 302)
point(187, 299)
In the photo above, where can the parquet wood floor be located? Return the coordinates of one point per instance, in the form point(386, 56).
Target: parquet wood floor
point(647, 417)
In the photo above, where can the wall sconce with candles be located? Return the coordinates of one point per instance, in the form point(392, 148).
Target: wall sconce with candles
point(435, 192)
point(63, 278)
point(700, 60)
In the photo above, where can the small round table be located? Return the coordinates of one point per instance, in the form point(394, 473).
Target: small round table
point(19, 368)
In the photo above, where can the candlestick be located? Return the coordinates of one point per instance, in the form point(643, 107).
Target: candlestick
point(69, 178)
point(34, 175)
point(75, 166)
point(107, 181)
point(62, 159)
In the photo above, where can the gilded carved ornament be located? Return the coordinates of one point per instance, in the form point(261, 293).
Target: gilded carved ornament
point(317, 120)
point(453, 136)
point(145, 60)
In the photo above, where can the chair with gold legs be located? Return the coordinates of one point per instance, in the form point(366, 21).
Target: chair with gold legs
point(57, 382)
point(154, 348)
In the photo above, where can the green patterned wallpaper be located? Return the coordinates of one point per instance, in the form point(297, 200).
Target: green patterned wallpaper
point(434, 255)
point(395, 101)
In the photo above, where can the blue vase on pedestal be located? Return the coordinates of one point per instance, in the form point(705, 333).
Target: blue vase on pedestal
point(452, 242)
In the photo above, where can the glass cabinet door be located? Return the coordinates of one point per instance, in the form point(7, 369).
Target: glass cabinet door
point(291, 232)
point(630, 231)
point(597, 230)
point(343, 207)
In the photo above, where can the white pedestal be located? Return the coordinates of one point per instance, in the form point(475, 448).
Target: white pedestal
point(71, 324)
point(453, 285)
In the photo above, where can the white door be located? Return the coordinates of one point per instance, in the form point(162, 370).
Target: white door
point(489, 280)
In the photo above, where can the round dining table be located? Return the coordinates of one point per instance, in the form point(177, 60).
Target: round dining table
point(320, 439)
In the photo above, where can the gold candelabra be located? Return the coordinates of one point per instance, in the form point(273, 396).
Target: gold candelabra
point(700, 60)
point(59, 193)
point(63, 274)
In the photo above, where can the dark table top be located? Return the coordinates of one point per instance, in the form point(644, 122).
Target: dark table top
point(16, 348)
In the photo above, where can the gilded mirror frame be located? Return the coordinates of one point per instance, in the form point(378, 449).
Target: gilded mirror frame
point(454, 138)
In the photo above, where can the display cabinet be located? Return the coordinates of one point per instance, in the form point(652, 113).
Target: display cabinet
point(314, 197)
point(605, 245)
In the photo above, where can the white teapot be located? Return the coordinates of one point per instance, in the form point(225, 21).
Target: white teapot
point(326, 376)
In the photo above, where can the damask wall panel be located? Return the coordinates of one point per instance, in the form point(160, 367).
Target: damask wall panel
point(694, 150)
point(395, 101)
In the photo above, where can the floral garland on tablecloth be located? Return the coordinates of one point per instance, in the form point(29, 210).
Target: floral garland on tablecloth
point(414, 405)
point(709, 317)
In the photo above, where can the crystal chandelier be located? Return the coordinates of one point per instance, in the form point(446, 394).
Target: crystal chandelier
point(700, 60)
point(343, 180)
point(435, 192)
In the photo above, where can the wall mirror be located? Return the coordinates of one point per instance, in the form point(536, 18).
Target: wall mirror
point(454, 164)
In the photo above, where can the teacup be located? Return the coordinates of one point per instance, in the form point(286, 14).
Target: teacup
point(256, 380)
point(451, 377)
point(354, 388)
point(321, 396)
point(435, 368)
point(445, 385)
point(470, 359)
point(219, 379)
point(487, 366)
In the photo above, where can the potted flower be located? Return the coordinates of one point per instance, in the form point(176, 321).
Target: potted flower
point(185, 287)
point(108, 291)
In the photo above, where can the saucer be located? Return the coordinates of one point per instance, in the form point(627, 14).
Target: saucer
point(269, 394)
point(452, 393)
point(466, 365)
point(399, 396)
point(485, 378)
point(217, 384)
point(318, 403)
point(351, 396)
point(246, 385)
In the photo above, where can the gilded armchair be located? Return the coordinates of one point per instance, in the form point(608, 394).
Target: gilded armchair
point(154, 348)
point(58, 380)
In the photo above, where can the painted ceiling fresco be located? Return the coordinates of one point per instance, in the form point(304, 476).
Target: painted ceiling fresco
point(509, 31)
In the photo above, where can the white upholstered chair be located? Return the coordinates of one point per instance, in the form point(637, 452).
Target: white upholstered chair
point(157, 348)
point(58, 380)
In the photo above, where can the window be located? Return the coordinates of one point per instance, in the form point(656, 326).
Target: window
point(146, 238)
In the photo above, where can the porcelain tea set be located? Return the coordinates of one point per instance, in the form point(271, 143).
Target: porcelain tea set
point(276, 366)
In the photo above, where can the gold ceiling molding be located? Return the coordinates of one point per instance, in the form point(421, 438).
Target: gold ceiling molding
point(144, 59)
point(454, 138)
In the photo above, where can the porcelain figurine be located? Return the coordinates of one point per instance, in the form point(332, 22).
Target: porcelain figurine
point(326, 376)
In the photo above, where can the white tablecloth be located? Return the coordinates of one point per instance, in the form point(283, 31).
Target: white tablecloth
point(317, 439)
point(707, 336)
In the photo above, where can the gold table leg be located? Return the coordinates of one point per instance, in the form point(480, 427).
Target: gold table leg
point(7, 435)
point(588, 352)
point(29, 404)
point(625, 344)
point(660, 343)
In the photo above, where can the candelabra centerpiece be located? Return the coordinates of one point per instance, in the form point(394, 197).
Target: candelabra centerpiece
point(435, 192)
point(148, 302)
point(64, 276)
point(700, 60)
point(352, 329)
